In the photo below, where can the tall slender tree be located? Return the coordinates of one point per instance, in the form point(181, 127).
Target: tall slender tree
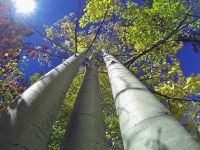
point(144, 122)
point(86, 126)
point(27, 122)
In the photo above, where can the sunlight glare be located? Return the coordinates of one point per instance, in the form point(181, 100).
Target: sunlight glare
point(24, 6)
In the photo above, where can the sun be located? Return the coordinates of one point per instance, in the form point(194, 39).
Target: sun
point(24, 6)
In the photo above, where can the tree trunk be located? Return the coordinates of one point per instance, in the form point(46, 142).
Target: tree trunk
point(27, 122)
point(145, 123)
point(85, 130)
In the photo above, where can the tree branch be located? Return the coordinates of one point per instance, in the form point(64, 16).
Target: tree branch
point(77, 24)
point(99, 29)
point(174, 98)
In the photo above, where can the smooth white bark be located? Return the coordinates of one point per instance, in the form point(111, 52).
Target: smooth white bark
point(85, 130)
point(145, 123)
point(27, 122)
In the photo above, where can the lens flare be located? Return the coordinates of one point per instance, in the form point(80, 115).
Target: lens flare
point(24, 6)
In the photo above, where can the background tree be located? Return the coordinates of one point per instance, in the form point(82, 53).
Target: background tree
point(86, 125)
point(40, 102)
point(144, 122)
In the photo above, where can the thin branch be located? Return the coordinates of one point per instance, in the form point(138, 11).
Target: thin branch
point(99, 29)
point(174, 98)
point(77, 23)
point(194, 16)
point(122, 55)
point(76, 27)
point(148, 78)
point(75, 34)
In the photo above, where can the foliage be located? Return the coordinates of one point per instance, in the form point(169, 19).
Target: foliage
point(95, 11)
point(35, 77)
point(63, 33)
point(11, 46)
point(14, 53)
point(113, 136)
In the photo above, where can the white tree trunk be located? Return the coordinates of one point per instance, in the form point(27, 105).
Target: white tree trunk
point(85, 130)
point(27, 122)
point(145, 123)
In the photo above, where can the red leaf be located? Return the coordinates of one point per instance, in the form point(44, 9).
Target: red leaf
point(11, 83)
point(44, 47)
point(31, 53)
point(11, 53)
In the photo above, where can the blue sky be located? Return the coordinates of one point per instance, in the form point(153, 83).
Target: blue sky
point(190, 61)
point(48, 12)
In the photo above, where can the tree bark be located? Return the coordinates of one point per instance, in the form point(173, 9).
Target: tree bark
point(145, 123)
point(27, 122)
point(85, 130)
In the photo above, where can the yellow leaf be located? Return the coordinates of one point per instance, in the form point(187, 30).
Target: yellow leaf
point(189, 80)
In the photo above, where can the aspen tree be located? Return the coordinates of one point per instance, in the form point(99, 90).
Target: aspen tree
point(86, 126)
point(145, 123)
point(27, 122)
